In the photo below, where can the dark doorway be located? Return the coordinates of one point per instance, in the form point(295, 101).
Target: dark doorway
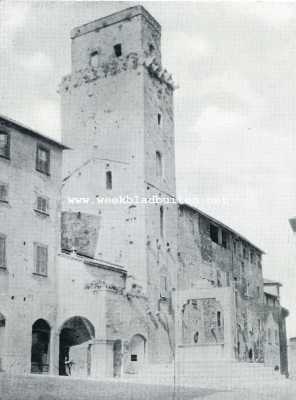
point(74, 332)
point(40, 347)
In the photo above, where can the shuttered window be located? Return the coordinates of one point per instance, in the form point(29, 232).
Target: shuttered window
point(41, 259)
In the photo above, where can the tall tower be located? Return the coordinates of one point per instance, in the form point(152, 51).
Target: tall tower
point(117, 117)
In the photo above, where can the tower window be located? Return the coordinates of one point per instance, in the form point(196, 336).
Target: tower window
point(42, 159)
point(159, 119)
point(4, 144)
point(41, 259)
point(161, 221)
point(219, 319)
point(214, 233)
point(117, 50)
point(109, 180)
point(159, 167)
point(94, 59)
point(151, 48)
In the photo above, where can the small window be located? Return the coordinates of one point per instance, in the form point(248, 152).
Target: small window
point(195, 337)
point(159, 119)
point(42, 159)
point(108, 180)
point(214, 233)
point(159, 166)
point(4, 145)
point(42, 204)
point(151, 48)
point(94, 59)
point(219, 319)
point(2, 251)
point(224, 239)
point(234, 247)
point(242, 267)
point(41, 259)
point(3, 192)
point(117, 50)
point(161, 221)
point(134, 357)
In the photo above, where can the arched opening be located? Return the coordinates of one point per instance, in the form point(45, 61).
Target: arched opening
point(40, 347)
point(75, 347)
point(117, 358)
point(137, 348)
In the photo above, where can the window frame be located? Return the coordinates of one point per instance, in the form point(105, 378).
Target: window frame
point(7, 155)
point(39, 210)
point(117, 48)
point(38, 271)
point(109, 180)
point(37, 167)
point(4, 265)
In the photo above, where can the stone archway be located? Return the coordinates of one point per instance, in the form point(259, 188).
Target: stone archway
point(40, 347)
point(76, 337)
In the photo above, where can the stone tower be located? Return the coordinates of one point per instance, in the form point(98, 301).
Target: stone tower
point(117, 117)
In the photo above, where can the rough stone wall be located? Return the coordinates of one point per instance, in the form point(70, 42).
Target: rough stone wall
point(26, 297)
point(224, 264)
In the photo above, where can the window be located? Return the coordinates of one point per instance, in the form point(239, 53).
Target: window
point(41, 259)
point(108, 180)
point(159, 119)
point(245, 253)
point(42, 159)
point(94, 59)
point(224, 239)
point(159, 168)
point(117, 50)
point(234, 247)
point(42, 204)
point(2, 251)
point(219, 319)
point(214, 233)
point(4, 145)
point(259, 325)
point(195, 337)
point(242, 268)
point(3, 192)
point(161, 220)
point(151, 48)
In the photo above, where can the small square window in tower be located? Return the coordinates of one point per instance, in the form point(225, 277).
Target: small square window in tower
point(42, 159)
point(117, 50)
point(108, 180)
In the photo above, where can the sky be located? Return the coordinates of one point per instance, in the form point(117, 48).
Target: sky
point(235, 117)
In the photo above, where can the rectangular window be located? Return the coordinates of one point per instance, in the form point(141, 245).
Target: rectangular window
point(42, 159)
point(214, 233)
point(159, 119)
point(4, 192)
point(42, 204)
point(159, 166)
point(108, 180)
point(2, 251)
point(118, 50)
point(224, 239)
point(219, 319)
point(41, 259)
point(4, 145)
point(94, 59)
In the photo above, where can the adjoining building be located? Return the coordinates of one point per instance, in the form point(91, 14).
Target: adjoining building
point(103, 266)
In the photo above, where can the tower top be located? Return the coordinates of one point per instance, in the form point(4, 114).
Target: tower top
point(126, 14)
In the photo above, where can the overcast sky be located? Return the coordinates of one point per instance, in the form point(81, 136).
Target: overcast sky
point(235, 108)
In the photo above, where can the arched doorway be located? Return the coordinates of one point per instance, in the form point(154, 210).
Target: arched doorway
point(40, 347)
point(137, 349)
point(76, 335)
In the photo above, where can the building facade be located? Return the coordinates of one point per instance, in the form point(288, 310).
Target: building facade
point(132, 277)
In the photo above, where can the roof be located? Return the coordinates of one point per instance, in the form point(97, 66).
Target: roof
point(269, 282)
point(222, 225)
point(28, 131)
point(125, 14)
